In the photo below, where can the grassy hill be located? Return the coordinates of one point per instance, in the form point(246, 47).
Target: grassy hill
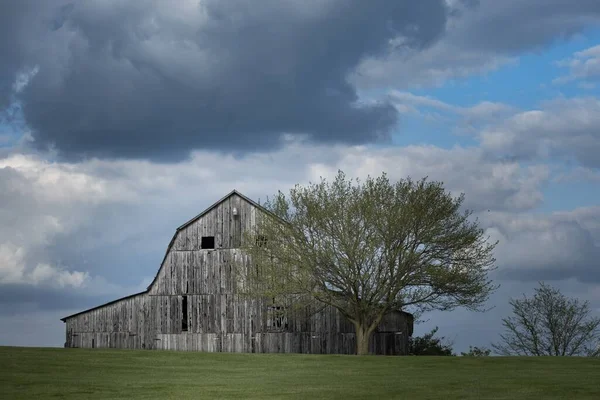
point(39, 373)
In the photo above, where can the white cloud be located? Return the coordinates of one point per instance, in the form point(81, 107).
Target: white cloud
point(431, 67)
point(42, 178)
point(11, 263)
point(409, 102)
point(583, 65)
point(24, 77)
point(464, 119)
point(100, 203)
point(487, 184)
point(483, 109)
point(44, 201)
point(46, 273)
point(13, 271)
point(563, 129)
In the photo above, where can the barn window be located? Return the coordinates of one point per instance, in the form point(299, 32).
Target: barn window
point(261, 240)
point(93, 343)
point(276, 319)
point(207, 242)
point(184, 317)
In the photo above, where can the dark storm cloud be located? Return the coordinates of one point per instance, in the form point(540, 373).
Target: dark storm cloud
point(155, 79)
point(510, 26)
point(12, 17)
point(555, 247)
point(15, 299)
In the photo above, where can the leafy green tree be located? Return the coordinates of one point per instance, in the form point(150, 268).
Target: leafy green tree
point(428, 345)
point(370, 247)
point(477, 352)
point(550, 324)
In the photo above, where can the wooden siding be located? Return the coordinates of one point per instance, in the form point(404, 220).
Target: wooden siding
point(221, 323)
point(219, 222)
point(218, 319)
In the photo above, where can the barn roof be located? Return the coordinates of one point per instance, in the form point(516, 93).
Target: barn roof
point(197, 217)
point(185, 225)
point(102, 305)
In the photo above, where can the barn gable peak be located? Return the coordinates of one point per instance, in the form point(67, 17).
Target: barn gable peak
point(233, 192)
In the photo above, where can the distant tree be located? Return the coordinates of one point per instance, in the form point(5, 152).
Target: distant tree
point(550, 324)
point(476, 352)
point(428, 345)
point(369, 248)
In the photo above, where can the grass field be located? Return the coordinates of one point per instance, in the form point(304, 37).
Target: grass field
point(38, 373)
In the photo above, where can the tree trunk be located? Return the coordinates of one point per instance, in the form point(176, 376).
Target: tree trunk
point(363, 334)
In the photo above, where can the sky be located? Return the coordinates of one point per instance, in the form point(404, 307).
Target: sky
point(121, 120)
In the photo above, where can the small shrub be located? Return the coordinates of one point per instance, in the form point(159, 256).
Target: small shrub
point(427, 345)
point(476, 352)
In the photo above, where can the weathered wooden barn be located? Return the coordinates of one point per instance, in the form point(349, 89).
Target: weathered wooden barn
point(192, 303)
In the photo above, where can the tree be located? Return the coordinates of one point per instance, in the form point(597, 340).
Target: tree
point(428, 345)
point(369, 248)
point(549, 324)
point(476, 352)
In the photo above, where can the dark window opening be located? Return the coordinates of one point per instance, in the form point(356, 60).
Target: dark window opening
point(207, 242)
point(93, 343)
point(184, 318)
point(261, 240)
point(276, 319)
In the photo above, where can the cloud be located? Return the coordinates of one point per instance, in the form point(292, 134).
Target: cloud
point(465, 119)
point(71, 224)
point(148, 79)
point(481, 36)
point(533, 24)
point(12, 270)
point(484, 109)
point(43, 201)
point(431, 67)
point(23, 79)
point(145, 79)
point(584, 65)
point(558, 246)
point(578, 174)
point(562, 129)
point(487, 184)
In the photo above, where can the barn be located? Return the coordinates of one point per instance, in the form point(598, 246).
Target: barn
point(192, 305)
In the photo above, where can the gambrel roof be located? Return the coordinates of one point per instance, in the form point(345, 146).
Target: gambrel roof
point(185, 225)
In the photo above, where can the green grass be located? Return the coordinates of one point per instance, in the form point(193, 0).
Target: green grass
point(39, 373)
